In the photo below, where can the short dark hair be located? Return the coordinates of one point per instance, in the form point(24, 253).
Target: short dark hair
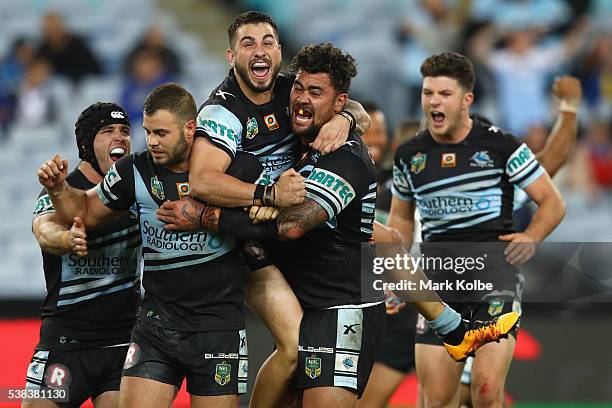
point(328, 59)
point(452, 65)
point(249, 17)
point(173, 98)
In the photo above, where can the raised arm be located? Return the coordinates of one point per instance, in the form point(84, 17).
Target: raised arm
point(70, 202)
point(562, 138)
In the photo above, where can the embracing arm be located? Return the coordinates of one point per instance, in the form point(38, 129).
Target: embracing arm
point(292, 222)
point(362, 119)
point(334, 133)
point(208, 181)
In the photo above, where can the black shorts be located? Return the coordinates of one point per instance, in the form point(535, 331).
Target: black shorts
point(81, 373)
point(470, 311)
point(337, 347)
point(214, 363)
point(396, 348)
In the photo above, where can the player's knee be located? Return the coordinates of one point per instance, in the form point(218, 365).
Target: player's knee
point(437, 396)
point(487, 392)
point(288, 352)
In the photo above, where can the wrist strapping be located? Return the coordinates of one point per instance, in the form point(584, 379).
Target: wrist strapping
point(348, 115)
point(569, 105)
point(258, 195)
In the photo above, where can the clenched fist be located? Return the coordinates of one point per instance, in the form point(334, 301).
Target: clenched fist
point(568, 89)
point(289, 189)
point(52, 173)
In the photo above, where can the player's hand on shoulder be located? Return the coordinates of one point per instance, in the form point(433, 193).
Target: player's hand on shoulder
point(567, 88)
point(263, 214)
point(332, 135)
point(52, 173)
point(289, 189)
point(520, 249)
point(78, 237)
point(181, 215)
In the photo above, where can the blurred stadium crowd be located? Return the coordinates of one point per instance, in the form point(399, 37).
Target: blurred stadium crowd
point(59, 56)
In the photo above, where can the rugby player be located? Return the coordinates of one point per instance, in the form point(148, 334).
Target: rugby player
point(248, 112)
point(320, 90)
point(92, 278)
point(191, 324)
point(457, 156)
point(559, 144)
point(395, 356)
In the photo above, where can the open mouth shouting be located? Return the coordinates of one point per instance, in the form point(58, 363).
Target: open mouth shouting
point(302, 116)
point(437, 118)
point(260, 69)
point(116, 153)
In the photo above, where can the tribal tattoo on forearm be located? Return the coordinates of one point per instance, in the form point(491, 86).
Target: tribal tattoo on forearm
point(209, 217)
point(191, 212)
point(295, 221)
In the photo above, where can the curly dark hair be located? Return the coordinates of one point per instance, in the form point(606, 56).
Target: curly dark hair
point(452, 65)
point(250, 17)
point(328, 59)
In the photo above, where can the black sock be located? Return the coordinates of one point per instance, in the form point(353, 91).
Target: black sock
point(455, 337)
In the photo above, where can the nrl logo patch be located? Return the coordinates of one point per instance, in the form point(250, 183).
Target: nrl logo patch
point(251, 128)
point(313, 367)
point(223, 373)
point(157, 188)
point(418, 162)
point(495, 307)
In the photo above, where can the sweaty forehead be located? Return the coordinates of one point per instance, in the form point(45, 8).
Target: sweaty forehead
point(257, 31)
point(440, 83)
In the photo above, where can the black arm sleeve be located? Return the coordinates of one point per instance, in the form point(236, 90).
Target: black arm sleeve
point(239, 224)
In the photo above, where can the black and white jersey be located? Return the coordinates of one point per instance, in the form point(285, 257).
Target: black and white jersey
point(193, 281)
point(233, 123)
point(464, 191)
point(324, 267)
point(92, 300)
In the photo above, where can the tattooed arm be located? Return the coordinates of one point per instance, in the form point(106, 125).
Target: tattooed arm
point(292, 223)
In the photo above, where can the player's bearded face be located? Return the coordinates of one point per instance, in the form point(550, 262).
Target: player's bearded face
point(166, 140)
point(111, 143)
point(444, 104)
point(256, 56)
point(313, 102)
